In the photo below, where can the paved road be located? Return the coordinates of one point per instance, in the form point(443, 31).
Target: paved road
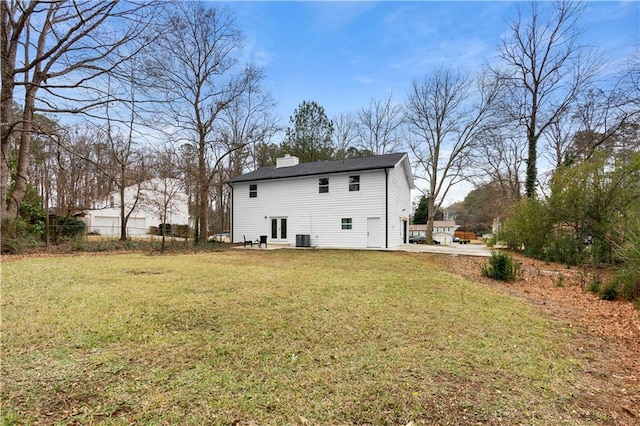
point(453, 249)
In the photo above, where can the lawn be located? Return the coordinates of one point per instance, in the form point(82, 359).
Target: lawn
point(274, 337)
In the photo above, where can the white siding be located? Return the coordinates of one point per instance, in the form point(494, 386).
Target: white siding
point(399, 203)
point(310, 212)
point(320, 214)
point(106, 219)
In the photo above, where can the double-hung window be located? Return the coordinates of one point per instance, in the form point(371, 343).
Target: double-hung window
point(253, 190)
point(347, 223)
point(323, 185)
point(354, 183)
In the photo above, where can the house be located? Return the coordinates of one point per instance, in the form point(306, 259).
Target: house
point(154, 200)
point(443, 230)
point(352, 203)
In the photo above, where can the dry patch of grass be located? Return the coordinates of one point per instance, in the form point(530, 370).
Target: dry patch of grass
point(274, 337)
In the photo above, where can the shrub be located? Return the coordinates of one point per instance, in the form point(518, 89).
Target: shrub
point(594, 287)
point(18, 235)
point(627, 282)
point(78, 243)
point(490, 242)
point(528, 227)
point(609, 292)
point(501, 267)
point(564, 248)
point(71, 227)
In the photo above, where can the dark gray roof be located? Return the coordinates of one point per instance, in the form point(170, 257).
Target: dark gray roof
point(322, 167)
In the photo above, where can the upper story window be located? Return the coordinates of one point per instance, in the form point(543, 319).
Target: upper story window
point(354, 183)
point(323, 185)
point(112, 201)
point(253, 190)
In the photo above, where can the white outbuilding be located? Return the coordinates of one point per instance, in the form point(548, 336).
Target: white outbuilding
point(152, 202)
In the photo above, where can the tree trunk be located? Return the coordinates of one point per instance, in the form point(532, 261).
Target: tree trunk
point(6, 103)
point(22, 165)
point(123, 217)
point(431, 216)
point(203, 191)
point(203, 211)
point(532, 139)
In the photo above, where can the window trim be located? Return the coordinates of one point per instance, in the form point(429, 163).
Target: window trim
point(354, 183)
point(323, 187)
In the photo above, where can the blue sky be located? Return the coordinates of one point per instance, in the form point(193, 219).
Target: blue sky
point(341, 54)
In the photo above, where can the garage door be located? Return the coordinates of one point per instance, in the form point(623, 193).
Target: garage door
point(136, 226)
point(105, 225)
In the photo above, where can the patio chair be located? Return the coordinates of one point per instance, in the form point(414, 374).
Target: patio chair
point(263, 240)
point(246, 242)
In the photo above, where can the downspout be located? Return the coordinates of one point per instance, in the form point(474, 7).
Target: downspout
point(231, 214)
point(386, 208)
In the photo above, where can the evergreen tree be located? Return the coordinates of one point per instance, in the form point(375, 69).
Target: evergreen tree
point(309, 136)
point(421, 215)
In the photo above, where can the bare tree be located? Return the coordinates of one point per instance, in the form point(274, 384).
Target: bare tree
point(604, 117)
point(545, 68)
point(345, 134)
point(163, 193)
point(500, 156)
point(445, 125)
point(128, 171)
point(247, 121)
point(126, 165)
point(52, 54)
point(196, 67)
point(380, 126)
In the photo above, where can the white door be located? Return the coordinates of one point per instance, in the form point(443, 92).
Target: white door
point(278, 228)
point(373, 232)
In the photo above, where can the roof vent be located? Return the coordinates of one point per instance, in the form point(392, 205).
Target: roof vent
point(287, 161)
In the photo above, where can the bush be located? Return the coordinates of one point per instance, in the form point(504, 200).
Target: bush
point(594, 287)
point(609, 292)
point(71, 227)
point(527, 228)
point(490, 242)
point(18, 235)
point(627, 282)
point(501, 267)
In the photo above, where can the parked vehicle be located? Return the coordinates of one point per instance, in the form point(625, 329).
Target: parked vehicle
point(417, 239)
point(225, 237)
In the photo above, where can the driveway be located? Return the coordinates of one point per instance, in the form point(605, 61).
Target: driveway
point(453, 249)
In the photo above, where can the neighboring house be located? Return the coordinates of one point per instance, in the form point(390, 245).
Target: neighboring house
point(353, 203)
point(442, 230)
point(104, 216)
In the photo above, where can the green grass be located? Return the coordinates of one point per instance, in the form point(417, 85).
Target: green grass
point(273, 337)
